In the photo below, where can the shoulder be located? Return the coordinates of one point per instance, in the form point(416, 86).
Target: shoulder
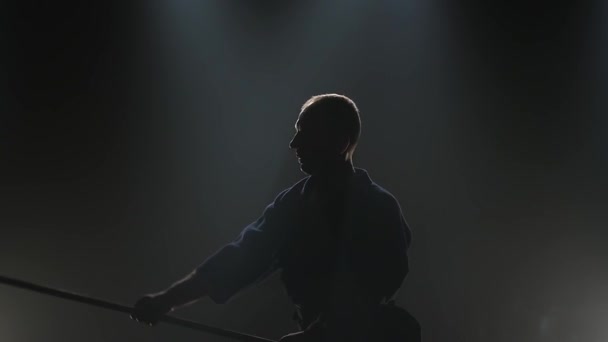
point(384, 207)
point(372, 194)
point(381, 199)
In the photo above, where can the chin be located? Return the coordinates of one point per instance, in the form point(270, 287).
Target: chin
point(306, 169)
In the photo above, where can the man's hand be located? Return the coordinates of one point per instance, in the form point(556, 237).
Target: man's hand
point(150, 308)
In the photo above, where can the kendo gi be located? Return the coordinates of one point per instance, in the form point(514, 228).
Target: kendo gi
point(340, 253)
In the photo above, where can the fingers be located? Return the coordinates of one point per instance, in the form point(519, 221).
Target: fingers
point(143, 318)
point(146, 322)
point(146, 311)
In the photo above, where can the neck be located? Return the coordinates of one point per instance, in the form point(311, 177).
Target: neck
point(335, 175)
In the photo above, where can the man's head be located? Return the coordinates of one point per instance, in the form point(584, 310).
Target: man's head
point(327, 132)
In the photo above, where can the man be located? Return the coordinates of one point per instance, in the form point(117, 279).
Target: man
point(339, 239)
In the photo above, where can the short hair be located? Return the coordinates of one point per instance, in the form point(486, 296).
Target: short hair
point(340, 111)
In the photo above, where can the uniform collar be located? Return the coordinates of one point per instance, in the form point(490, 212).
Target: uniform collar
point(359, 179)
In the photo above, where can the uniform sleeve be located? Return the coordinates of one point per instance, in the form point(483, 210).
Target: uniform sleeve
point(248, 259)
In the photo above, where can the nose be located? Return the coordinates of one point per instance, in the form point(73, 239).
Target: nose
point(293, 142)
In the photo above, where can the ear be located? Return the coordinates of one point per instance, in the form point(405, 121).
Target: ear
point(343, 147)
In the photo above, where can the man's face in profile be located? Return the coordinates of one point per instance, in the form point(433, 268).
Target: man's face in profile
point(317, 146)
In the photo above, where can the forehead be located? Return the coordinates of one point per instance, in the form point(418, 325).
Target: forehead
point(307, 118)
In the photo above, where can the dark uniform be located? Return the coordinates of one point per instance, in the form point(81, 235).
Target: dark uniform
point(340, 253)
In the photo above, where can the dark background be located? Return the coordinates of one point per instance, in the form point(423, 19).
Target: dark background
point(138, 137)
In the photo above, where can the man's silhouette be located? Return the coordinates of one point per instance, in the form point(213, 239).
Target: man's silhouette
point(339, 239)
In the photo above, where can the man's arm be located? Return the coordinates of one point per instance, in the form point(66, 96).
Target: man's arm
point(150, 308)
point(240, 263)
